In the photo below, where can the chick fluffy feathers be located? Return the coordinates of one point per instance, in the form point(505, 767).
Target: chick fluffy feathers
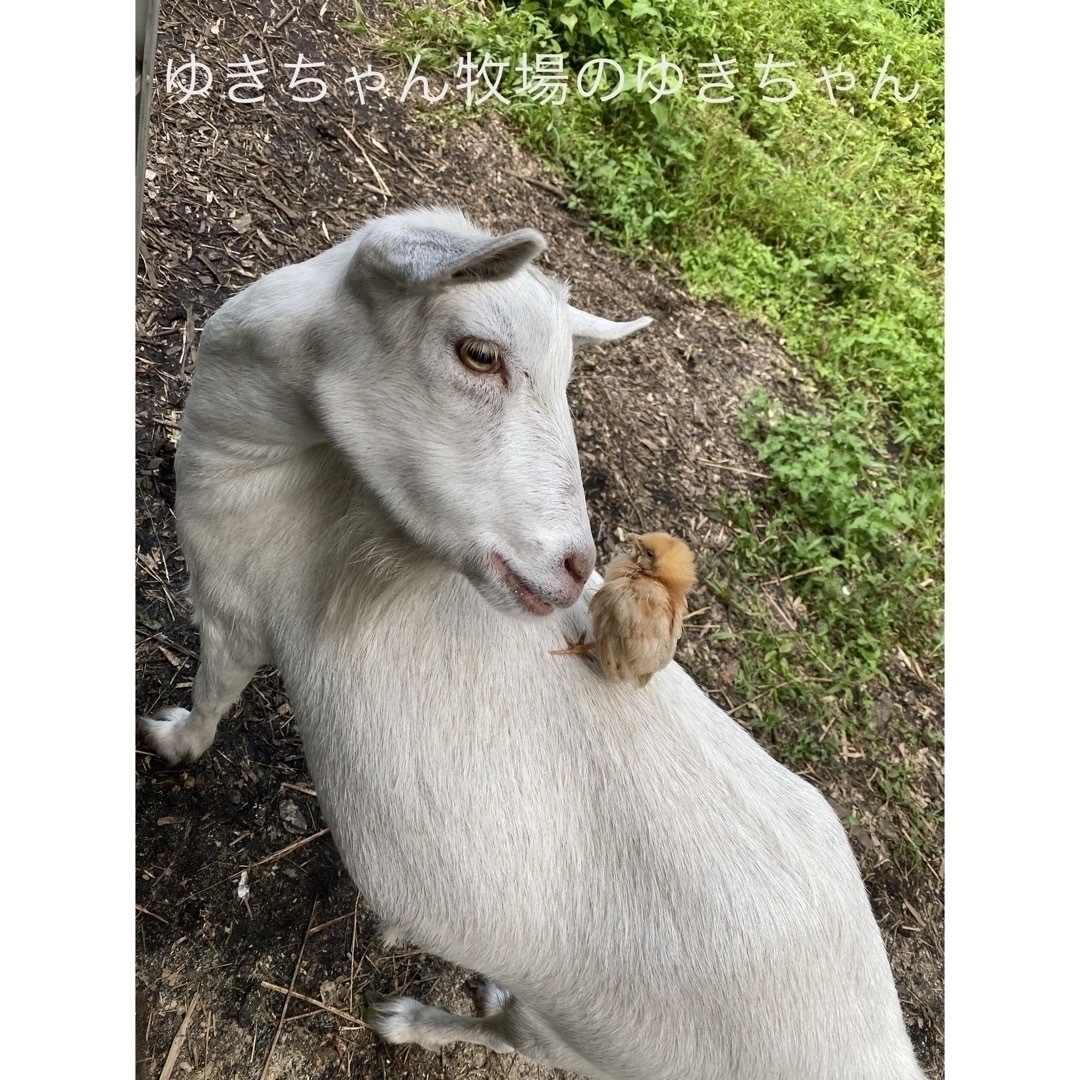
point(637, 613)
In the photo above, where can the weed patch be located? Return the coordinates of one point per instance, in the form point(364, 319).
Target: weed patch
point(820, 215)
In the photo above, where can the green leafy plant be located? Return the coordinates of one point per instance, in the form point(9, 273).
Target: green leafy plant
point(822, 216)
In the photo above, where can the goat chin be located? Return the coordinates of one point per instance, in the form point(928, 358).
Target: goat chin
point(647, 893)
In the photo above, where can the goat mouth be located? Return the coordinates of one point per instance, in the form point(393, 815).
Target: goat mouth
point(525, 596)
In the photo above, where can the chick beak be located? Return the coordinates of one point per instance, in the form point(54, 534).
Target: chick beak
point(638, 544)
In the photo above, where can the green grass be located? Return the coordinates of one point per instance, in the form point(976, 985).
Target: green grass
point(825, 221)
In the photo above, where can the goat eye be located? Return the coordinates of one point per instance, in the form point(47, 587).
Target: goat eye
point(483, 357)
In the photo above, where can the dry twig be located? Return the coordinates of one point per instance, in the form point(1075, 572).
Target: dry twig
point(153, 914)
point(339, 1013)
point(288, 849)
point(289, 994)
point(732, 468)
point(178, 1040)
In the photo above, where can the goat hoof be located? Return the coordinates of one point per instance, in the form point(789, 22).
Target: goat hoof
point(400, 1020)
point(488, 997)
point(170, 735)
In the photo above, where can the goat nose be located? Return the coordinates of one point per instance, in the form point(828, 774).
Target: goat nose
point(578, 565)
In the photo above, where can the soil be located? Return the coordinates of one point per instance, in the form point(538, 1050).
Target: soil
point(234, 191)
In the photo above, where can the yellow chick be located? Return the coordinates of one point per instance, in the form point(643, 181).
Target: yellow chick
point(637, 613)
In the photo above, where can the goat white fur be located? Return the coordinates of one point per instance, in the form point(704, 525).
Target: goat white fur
point(651, 896)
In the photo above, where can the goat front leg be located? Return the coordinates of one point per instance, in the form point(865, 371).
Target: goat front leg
point(226, 666)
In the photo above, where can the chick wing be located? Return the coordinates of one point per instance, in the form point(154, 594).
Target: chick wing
point(635, 628)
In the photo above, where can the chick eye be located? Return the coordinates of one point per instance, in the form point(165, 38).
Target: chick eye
point(483, 357)
point(649, 553)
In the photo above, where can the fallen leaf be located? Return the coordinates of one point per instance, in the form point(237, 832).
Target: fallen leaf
point(292, 816)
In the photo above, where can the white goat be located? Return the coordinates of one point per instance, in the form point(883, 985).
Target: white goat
point(378, 490)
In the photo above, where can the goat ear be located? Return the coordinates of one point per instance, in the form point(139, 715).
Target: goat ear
point(428, 256)
point(592, 330)
point(499, 257)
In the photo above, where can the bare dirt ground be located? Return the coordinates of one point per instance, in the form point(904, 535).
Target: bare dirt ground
point(241, 189)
